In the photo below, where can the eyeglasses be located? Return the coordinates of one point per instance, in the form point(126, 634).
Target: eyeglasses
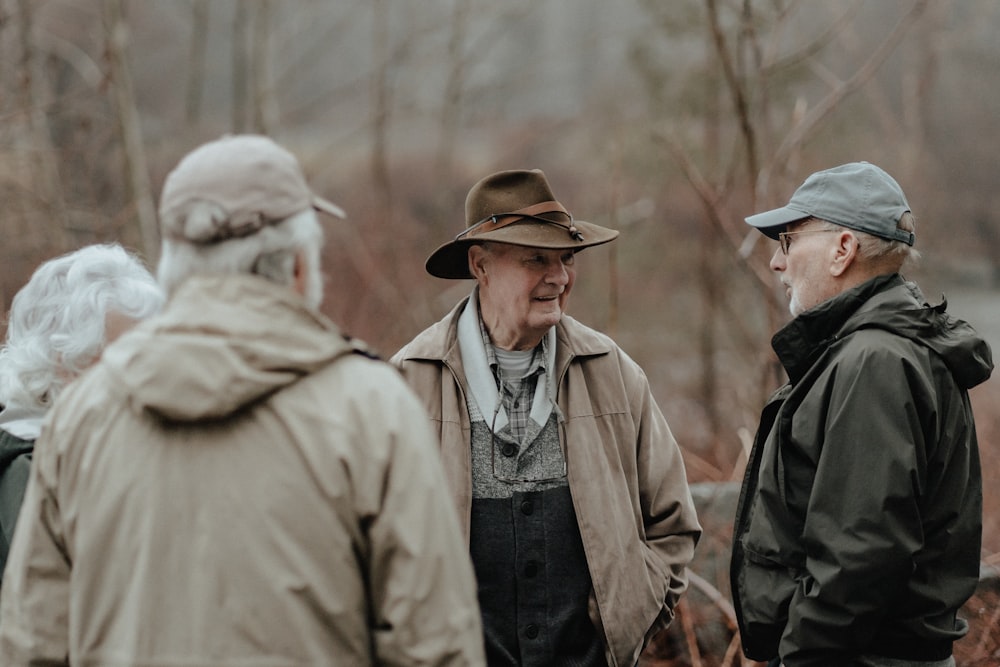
point(510, 449)
point(784, 238)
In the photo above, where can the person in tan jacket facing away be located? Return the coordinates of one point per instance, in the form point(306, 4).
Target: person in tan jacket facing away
point(235, 482)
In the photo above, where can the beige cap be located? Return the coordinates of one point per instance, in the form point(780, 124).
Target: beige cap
point(253, 179)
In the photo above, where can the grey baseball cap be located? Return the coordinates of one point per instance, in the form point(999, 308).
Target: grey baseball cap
point(857, 195)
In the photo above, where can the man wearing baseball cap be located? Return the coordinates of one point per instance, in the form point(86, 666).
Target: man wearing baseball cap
point(235, 482)
point(858, 531)
point(568, 482)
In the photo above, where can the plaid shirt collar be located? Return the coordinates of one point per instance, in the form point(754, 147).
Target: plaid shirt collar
point(516, 394)
point(537, 358)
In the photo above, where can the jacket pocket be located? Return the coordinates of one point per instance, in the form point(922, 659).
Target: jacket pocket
point(766, 587)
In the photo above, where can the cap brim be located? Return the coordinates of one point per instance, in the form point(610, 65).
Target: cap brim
point(771, 223)
point(451, 259)
point(327, 206)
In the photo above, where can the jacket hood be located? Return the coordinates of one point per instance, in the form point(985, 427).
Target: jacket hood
point(892, 304)
point(221, 343)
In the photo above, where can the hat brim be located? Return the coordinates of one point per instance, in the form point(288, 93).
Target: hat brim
point(771, 223)
point(451, 259)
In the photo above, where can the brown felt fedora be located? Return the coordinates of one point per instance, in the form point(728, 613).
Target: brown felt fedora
point(515, 207)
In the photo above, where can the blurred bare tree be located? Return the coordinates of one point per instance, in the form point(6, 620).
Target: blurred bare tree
point(135, 167)
point(381, 106)
point(451, 101)
point(241, 66)
point(694, 112)
point(196, 62)
point(34, 139)
point(739, 149)
point(265, 103)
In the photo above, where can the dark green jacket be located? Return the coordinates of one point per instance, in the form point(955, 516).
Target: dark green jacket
point(15, 464)
point(859, 524)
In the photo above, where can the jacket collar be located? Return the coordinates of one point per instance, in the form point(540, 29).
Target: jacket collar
point(800, 341)
point(22, 421)
point(481, 381)
point(894, 305)
point(439, 342)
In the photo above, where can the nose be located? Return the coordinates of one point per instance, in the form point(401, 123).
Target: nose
point(777, 260)
point(558, 273)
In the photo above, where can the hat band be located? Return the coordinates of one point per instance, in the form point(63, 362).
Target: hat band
point(496, 221)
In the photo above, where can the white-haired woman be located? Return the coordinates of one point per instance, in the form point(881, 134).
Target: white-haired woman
point(58, 325)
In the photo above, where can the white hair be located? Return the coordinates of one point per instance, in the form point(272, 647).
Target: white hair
point(56, 324)
point(269, 252)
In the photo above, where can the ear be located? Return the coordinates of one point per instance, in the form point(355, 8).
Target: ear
point(845, 252)
point(477, 262)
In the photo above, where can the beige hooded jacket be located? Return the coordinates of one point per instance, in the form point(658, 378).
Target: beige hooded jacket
point(233, 485)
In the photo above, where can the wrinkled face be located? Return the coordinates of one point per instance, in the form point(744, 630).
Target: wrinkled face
point(522, 291)
point(805, 270)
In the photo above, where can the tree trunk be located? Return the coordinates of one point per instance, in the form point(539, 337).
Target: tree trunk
point(123, 101)
point(239, 60)
point(708, 241)
point(451, 107)
point(265, 105)
point(41, 154)
point(196, 61)
point(380, 107)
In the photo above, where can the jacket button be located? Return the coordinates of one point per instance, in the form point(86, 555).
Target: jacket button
point(530, 569)
point(508, 449)
point(527, 507)
point(531, 631)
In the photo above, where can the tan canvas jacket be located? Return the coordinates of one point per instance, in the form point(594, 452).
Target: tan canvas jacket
point(232, 486)
point(626, 476)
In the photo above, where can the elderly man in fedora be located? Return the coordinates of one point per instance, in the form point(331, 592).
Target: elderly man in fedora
point(235, 482)
point(858, 530)
point(569, 485)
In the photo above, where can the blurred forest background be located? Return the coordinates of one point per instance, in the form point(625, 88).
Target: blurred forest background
point(669, 120)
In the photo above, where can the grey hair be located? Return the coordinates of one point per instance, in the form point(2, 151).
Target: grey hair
point(879, 251)
point(56, 323)
point(268, 253)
